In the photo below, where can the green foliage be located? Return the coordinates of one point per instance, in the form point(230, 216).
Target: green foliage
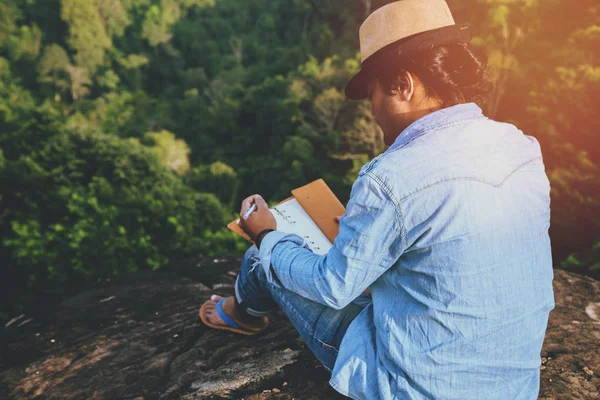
point(218, 178)
point(15, 103)
point(109, 80)
point(114, 16)
point(298, 148)
point(173, 153)
point(133, 61)
point(9, 15)
point(84, 206)
point(159, 18)
point(562, 111)
point(26, 44)
point(131, 129)
point(53, 66)
point(87, 32)
point(17, 39)
point(584, 261)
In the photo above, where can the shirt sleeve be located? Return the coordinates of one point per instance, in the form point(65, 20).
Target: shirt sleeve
point(369, 242)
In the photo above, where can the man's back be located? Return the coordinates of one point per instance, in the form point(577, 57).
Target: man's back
point(463, 312)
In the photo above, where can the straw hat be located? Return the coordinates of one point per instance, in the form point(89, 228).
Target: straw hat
point(400, 28)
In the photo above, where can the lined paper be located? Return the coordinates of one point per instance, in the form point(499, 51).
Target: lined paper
point(291, 218)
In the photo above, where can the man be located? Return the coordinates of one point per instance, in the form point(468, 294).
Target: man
point(448, 227)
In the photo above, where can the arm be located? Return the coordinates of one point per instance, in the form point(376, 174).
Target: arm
point(370, 240)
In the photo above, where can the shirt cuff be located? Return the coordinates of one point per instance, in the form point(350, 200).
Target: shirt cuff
point(268, 243)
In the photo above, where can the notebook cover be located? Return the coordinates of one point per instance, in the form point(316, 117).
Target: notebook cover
point(322, 205)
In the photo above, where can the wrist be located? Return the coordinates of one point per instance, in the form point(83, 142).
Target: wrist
point(261, 235)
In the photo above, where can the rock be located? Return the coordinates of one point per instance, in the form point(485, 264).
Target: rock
point(593, 311)
point(140, 337)
point(224, 380)
point(569, 347)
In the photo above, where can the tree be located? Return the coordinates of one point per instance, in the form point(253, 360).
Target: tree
point(172, 152)
point(83, 206)
point(87, 33)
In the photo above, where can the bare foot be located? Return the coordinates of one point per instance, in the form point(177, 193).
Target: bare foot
point(230, 309)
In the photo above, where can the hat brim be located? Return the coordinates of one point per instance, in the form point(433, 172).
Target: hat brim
point(357, 87)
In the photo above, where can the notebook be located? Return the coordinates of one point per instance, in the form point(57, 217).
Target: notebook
point(310, 213)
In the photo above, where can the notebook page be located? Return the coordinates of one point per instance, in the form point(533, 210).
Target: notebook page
point(291, 218)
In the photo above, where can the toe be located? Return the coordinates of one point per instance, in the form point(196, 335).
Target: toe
point(212, 303)
point(211, 310)
point(214, 317)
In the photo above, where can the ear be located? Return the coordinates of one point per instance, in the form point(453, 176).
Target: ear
point(404, 86)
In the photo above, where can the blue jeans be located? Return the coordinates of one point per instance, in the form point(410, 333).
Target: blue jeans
point(322, 328)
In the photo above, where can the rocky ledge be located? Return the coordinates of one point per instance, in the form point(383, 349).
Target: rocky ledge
point(139, 337)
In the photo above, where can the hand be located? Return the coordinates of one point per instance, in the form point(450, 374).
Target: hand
point(259, 219)
point(339, 218)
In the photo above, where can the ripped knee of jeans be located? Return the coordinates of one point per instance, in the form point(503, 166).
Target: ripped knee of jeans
point(251, 252)
point(253, 262)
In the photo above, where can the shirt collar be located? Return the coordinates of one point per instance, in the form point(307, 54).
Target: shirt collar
point(437, 119)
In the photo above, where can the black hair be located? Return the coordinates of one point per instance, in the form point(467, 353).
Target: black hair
point(453, 73)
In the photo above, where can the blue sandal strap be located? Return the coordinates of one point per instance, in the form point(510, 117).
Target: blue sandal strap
point(224, 316)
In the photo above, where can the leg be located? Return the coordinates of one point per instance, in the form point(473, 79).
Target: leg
point(322, 328)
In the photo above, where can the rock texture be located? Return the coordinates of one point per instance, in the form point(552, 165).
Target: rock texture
point(139, 337)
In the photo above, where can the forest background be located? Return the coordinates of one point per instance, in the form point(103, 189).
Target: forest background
point(130, 130)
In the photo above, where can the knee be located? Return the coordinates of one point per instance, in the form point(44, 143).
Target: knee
point(251, 262)
point(251, 265)
point(251, 252)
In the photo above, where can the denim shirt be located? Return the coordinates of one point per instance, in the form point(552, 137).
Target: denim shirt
point(449, 228)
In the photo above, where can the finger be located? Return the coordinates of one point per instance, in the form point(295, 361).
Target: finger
point(338, 219)
point(260, 202)
point(246, 204)
point(248, 201)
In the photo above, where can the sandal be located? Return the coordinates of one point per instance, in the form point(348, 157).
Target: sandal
point(232, 326)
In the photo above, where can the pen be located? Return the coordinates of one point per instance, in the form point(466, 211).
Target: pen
point(249, 211)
